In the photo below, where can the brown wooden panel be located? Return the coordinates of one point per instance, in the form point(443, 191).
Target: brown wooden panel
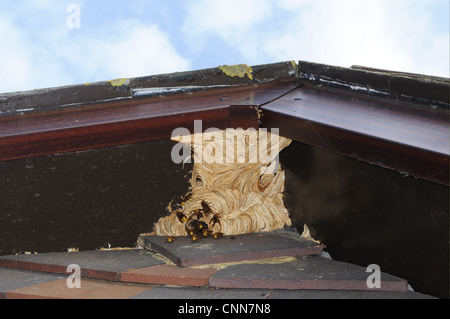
point(365, 214)
point(88, 199)
point(188, 81)
point(114, 123)
point(244, 116)
point(107, 134)
point(418, 88)
point(402, 137)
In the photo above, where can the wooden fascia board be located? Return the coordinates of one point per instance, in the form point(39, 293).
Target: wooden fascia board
point(411, 139)
point(59, 130)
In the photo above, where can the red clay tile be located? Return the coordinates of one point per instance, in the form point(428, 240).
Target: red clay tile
point(169, 275)
point(304, 273)
point(11, 279)
point(104, 265)
point(28, 265)
point(90, 289)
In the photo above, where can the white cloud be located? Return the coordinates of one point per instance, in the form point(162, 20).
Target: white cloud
point(15, 66)
point(145, 51)
point(128, 49)
point(231, 20)
point(294, 4)
point(396, 35)
point(337, 32)
point(385, 34)
point(434, 59)
point(55, 55)
point(39, 50)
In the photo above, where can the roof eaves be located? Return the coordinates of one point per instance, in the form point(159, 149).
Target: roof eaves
point(132, 88)
point(399, 86)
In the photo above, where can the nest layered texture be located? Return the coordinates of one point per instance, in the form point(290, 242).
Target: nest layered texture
point(238, 176)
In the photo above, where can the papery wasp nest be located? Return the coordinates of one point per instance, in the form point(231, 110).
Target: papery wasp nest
point(236, 186)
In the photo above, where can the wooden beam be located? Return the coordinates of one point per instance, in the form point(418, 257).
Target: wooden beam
point(408, 138)
point(82, 127)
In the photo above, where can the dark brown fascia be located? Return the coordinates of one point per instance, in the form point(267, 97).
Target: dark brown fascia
point(399, 86)
point(139, 87)
point(124, 111)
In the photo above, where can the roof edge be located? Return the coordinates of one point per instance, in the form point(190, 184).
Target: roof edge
point(401, 86)
point(161, 84)
point(409, 87)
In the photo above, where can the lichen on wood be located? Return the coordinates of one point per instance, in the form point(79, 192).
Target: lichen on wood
point(237, 175)
point(240, 70)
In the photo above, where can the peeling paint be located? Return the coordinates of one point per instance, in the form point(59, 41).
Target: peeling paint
point(138, 92)
point(353, 87)
point(295, 70)
point(331, 82)
point(118, 248)
point(119, 82)
point(25, 110)
point(240, 70)
point(273, 261)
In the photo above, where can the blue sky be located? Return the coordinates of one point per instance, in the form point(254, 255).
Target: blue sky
point(119, 39)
